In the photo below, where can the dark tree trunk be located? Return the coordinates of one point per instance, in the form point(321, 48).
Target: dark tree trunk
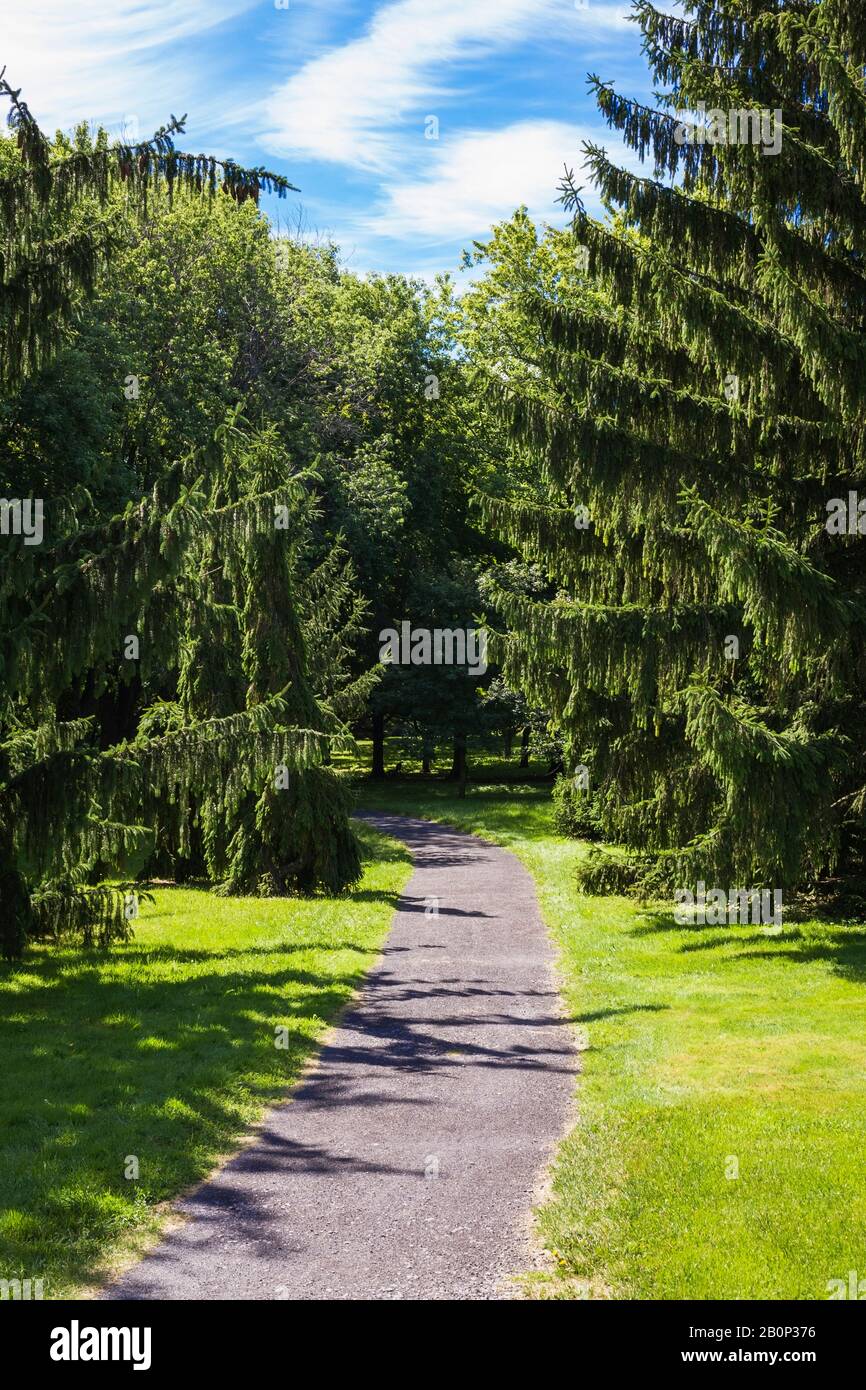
point(378, 769)
point(524, 745)
point(17, 919)
point(426, 759)
point(458, 764)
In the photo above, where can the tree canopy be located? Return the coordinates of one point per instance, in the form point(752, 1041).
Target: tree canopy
point(686, 376)
point(632, 446)
point(156, 690)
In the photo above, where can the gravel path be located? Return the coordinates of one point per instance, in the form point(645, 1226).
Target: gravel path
point(406, 1163)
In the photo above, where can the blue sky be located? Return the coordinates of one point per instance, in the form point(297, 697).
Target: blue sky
point(339, 96)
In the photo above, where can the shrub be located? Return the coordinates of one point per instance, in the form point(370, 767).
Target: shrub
point(575, 812)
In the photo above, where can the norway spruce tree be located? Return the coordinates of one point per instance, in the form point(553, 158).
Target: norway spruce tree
point(693, 393)
point(187, 596)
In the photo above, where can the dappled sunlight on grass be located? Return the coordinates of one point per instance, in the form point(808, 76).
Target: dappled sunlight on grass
point(162, 1049)
point(722, 1101)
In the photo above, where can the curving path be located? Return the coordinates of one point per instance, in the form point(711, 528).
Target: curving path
point(406, 1163)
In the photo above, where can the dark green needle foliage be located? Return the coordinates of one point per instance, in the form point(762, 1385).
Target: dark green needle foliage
point(692, 373)
point(180, 613)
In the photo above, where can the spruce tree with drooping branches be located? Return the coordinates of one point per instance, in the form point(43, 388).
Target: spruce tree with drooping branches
point(193, 580)
point(692, 390)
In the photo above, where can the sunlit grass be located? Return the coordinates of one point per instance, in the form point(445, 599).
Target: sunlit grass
point(709, 1053)
point(163, 1051)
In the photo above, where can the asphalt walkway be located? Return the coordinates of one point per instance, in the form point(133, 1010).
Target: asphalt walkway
point(406, 1162)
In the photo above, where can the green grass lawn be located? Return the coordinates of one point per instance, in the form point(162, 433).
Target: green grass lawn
point(163, 1049)
point(708, 1052)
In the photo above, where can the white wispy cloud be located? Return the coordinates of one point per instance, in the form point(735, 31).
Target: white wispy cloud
point(359, 103)
point(107, 58)
point(346, 104)
point(480, 177)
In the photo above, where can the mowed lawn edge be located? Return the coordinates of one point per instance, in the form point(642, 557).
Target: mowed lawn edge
point(722, 1098)
point(130, 1074)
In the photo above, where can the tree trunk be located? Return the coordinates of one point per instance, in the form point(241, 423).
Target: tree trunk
point(524, 745)
point(458, 764)
point(378, 769)
point(426, 759)
point(17, 919)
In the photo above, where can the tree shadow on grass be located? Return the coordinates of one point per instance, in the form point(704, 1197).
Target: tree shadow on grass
point(166, 1067)
point(354, 895)
point(843, 947)
point(846, 954)
point(167, 1061)
point(597, 1015)
point(161, 953)
point(376, 895)
point(376, 846)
